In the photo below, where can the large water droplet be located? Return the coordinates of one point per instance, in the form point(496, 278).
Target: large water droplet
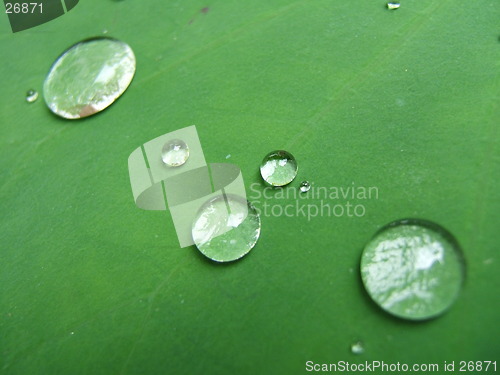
point(278, 168)
point(413, 269)
point(305, 186)
point(175, 153)
point(226, 228)
point(31, 96)
point(88, 77)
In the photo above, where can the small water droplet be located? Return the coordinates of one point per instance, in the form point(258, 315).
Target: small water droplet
point(31, 96)
point(72, 333)
point(305, 186)
point(88, 77)
point(104, 31)
point(175, 153)
point(226, 228)
point(392, 5)
point(278, 168)
point(228, 156)
point(357, 348)
point(413, 269)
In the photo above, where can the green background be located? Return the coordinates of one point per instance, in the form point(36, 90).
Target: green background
point(403, 100)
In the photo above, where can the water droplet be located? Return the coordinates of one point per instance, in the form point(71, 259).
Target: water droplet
point(228, 156)
point(357, 348)
point(226, 228)
point(305, 186)
point(278, 168)
point(89, 77)
point(31, 96)
point(413, 269)
point(175, 153)
point(393, 6)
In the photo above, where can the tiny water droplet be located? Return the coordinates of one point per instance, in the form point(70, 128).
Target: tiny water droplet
point(175, 153)
point(357, 348)
point(392, 5)
point(278, 168)
point(104, 31)
point(31, 96)
point(72, 333)
point(88, 77)
point(305, 186)
point(228, 156)
point(413, 269)
point(226, 228)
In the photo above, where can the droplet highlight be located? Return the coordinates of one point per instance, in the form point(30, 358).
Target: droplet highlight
point(393, 6)
point(278, 168)
point(226, 228)
point(413, 269)
point(357, 348)
point(175, 153)
point(305, 186)
point(88, 77)
point(31, 96)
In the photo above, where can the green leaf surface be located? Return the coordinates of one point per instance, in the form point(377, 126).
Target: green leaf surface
point(405, 101)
